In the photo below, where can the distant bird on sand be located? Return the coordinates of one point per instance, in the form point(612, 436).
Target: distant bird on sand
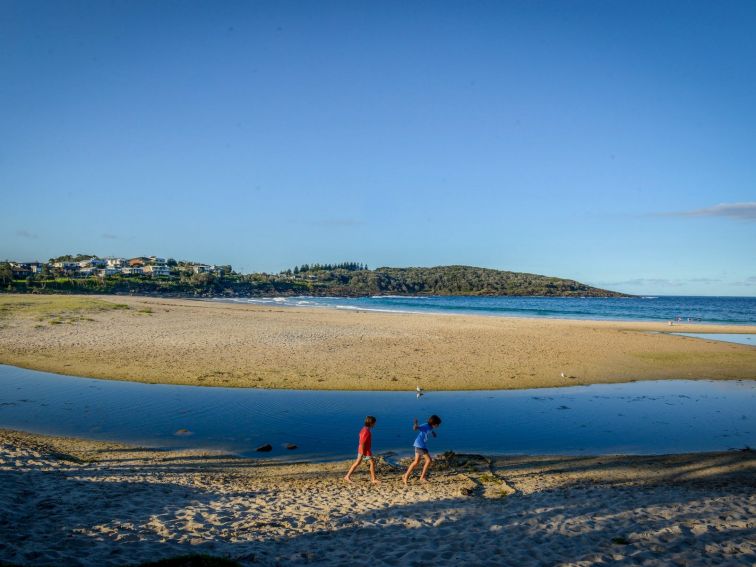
point(419, 391)
point(563, 375)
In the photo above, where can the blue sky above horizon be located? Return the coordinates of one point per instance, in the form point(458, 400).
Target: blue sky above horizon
point(609, 142)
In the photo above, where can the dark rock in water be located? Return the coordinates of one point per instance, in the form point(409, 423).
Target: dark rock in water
point(291, 446)
point(264, 448)
point(183, 432)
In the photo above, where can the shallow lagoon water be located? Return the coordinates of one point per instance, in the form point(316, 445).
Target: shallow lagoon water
point(671, 416)
point(738, 338)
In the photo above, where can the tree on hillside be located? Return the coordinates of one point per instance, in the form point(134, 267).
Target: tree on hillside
point(73, 258)
point(6, 273)
point(202, 279)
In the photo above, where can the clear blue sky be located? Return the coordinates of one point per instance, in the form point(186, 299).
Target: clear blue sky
point(610, 142)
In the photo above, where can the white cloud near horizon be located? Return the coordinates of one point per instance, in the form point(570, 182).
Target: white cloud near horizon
point(739, 211)
point(675, 283)
point(746, 282)
point(644, 282)
point(23, 233)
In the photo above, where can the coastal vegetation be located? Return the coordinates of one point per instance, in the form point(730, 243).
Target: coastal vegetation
point(139, 276)
point(464, 280)
point(53, 310)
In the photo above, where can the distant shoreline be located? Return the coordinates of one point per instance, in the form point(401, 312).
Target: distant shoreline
point(260, 301)
point(153, 275)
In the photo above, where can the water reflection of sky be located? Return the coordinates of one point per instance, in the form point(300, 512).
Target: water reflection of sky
point(640, 417)
point(739, 338)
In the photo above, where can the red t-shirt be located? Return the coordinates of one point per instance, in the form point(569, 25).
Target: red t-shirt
point(366, 438)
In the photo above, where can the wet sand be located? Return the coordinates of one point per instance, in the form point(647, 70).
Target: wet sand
point(77, 502)
point(216, 344)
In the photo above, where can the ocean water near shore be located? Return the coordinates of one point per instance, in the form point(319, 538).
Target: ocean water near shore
point(716, 310)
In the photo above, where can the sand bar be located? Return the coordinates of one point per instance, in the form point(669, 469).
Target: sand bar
point(219, 344)
point(77, 502)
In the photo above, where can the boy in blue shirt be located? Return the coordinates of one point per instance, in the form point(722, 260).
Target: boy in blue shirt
point(421, 447)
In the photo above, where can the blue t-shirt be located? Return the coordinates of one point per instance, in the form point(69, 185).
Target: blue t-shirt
point(422, 437)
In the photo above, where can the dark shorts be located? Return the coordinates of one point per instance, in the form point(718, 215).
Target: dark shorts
point(421, 451)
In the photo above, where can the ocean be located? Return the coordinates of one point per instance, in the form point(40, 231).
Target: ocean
point(714, 310)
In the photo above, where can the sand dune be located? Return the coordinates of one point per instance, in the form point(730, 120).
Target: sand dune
point(214, 344)
point(75, 502)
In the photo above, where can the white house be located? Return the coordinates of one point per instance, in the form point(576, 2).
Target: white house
point(132, 271)
point(115, 262)
point(108, 272)
point(157, 270)
point(96, 262)
point(66, 265)
point(202, 268)
point(156, 260)
point(27, 267)
point(90, 271)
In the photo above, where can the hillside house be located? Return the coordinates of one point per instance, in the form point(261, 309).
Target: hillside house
point(20, 269)
point(92, 263)
point(132, 271)
point(103, 272)
point(156, 270)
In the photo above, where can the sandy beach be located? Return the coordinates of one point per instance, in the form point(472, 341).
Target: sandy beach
point(77, 502)
point(74, 502)
point(219, 344)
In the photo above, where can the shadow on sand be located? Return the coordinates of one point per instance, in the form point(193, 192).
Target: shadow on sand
point(582, 510)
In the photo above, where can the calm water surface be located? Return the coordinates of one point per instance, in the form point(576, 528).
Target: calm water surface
point(641, 417)
point(739, 338)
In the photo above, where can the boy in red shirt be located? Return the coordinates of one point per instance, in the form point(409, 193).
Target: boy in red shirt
point(364, 451)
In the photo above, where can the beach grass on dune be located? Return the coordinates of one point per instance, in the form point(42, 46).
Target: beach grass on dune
point(54, 309)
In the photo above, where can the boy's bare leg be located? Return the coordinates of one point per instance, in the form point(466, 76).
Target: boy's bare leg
point(372, 472)
point(426, 466)
point(353, 468)
point(411, 468)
